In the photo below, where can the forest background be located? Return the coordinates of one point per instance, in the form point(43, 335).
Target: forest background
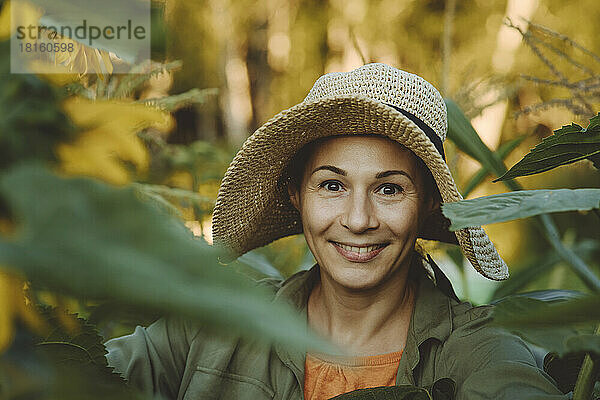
point(518, 70)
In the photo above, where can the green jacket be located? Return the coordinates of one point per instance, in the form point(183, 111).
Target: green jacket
point(446, 339)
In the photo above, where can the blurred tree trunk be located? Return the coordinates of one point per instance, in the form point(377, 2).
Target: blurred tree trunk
point(259, 71)
point(194, 36)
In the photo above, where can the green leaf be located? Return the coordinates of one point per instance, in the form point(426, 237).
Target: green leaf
point(107, 314)
point(567, 145)
point(185, 197)
point(85, 238)
point(515, 205)
point(520, 311)
point(555, 325)
point(461, 132)
point(82, 345)
point(65, 364)
point(401, 392)
point(79, 361)
point(260, 264)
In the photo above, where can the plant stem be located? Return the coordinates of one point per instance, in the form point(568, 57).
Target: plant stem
point(549, 230)
point(578, 266)
point(587, 376)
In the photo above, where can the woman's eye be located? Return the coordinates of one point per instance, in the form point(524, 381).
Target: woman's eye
point(390, 189)
point(332, 186)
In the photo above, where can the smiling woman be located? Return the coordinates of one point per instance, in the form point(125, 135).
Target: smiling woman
point(359, 168)
point(362, 201)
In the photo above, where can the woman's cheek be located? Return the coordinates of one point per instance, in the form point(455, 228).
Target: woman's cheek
point(320, 213)
point(403, 219)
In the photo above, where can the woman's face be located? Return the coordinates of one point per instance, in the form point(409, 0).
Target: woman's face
point(361, 200)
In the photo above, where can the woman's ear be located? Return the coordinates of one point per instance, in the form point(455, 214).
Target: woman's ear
point(294, 194)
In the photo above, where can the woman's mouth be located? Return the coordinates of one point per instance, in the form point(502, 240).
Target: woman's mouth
point(358, 253)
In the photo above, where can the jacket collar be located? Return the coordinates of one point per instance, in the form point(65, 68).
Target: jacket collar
point(431, 318)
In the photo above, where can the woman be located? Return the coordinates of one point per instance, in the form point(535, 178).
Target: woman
point(359, 167)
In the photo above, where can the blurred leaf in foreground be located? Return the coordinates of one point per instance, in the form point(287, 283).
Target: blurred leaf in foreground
point(181, 197)
point(568, 144)
point(95, 241)
point(515, 205)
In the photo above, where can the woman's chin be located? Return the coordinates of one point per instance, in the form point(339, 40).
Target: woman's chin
point(356, 278)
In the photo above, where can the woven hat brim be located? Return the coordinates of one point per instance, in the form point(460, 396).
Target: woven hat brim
point(253, 207)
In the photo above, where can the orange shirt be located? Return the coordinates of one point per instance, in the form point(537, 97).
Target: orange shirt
point(327, 376)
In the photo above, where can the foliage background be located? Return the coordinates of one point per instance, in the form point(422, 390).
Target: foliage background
point(264, 56)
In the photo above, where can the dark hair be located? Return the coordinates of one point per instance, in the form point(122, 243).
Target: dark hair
point(295, 170)
point(431, 188)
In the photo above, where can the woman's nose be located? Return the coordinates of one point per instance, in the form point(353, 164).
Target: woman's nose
point(359, 213)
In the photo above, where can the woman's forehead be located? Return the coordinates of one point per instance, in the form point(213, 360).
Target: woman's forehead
point(362, 151)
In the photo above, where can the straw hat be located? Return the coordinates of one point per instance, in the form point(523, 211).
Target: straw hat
point(253, 207)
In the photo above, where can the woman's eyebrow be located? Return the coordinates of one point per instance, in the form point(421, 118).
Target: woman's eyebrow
point(393, 172)
point(330, 168)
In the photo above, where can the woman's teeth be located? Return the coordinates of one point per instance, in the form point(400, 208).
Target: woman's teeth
point(360, 250)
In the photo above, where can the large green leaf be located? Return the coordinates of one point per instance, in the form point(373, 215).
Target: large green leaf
point(83, 344)
point(515, 205)
point(562, 327)
point(78, 359)
point(520, 311)
point(64, 364)
point(568, 144)
point(88, 239)
point(259, 263)
point(167, 196)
